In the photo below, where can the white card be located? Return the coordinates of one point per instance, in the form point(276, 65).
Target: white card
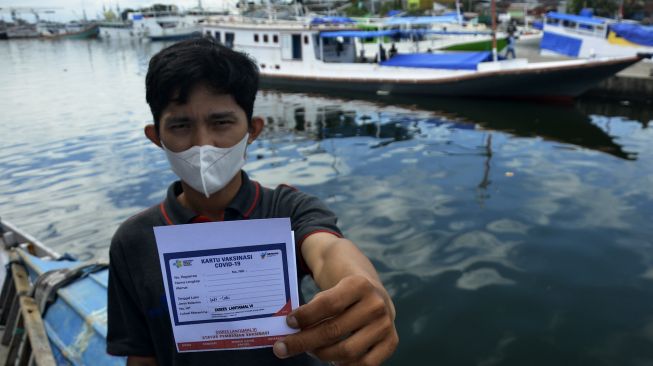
point(229, 284)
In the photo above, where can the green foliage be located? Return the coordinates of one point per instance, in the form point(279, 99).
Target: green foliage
point(389, 5)
point(604, 8)
point(356, 9)
point(110, 16)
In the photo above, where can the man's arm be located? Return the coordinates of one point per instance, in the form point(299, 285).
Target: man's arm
point(352, 320)
point(141, 361)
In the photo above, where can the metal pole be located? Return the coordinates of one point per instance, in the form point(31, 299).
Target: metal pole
point(321, 48)
point(494, 31)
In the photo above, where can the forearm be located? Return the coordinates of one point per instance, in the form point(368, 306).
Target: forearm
point(351, 320)
point(335, 259)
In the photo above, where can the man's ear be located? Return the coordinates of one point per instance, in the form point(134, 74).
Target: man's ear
point(255, 128)
point(152, 135)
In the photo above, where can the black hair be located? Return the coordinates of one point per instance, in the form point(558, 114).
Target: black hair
point(174, 72)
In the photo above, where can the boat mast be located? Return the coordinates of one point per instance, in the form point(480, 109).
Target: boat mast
point(494, 30)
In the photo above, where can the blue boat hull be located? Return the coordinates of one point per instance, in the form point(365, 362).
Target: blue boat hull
point(76, 323)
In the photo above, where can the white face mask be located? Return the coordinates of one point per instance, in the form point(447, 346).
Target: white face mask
point(207, 168)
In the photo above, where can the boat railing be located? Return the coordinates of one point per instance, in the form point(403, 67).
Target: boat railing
point(14, 237)
point(24, 334)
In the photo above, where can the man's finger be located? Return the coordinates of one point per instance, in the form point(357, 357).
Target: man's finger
point(329, 303)
point(377, 354)
point(358, 344)
point(331, 330)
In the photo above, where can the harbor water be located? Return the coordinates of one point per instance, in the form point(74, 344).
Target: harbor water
point(507, 233)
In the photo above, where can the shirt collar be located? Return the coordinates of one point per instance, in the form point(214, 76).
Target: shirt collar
point(243, 203)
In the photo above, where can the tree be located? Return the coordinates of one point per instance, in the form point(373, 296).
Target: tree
point(125, 13)
point(604, 8)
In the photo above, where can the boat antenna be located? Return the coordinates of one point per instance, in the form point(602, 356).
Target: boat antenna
point(268, 4)
point(494, 31)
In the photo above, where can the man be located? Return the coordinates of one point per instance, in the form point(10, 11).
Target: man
point(512, 34)
point(202, 97)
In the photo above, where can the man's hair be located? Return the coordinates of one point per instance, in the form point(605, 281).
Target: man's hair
point(174, 72)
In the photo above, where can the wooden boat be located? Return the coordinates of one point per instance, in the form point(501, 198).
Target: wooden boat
point(326, 58)
point(63, 304)
point(73, 32)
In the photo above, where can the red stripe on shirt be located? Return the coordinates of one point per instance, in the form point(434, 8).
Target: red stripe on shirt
point(251, 209)
point(165, 214)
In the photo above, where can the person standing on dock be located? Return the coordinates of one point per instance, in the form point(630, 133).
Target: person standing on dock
point(201, 95)
point(512, 31)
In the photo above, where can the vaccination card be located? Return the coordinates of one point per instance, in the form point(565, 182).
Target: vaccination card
point(229, 284)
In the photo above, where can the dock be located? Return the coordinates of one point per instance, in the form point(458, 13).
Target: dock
point(634, 83)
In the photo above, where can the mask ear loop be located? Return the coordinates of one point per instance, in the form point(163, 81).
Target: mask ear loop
point(206, 192)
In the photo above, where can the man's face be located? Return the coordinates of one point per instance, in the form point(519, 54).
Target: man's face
point(207, 118)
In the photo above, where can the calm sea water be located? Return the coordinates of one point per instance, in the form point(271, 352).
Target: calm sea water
point(507, 234)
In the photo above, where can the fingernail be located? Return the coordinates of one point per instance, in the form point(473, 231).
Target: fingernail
point(292, 321)
point(280, 350)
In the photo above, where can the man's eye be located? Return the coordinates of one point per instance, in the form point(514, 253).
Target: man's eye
point(179, 126)
point(220, 122)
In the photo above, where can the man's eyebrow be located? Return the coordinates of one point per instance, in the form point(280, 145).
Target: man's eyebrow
point(180, 119)
point(217, 115)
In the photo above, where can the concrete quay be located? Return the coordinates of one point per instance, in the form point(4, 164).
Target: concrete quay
point(634, 83)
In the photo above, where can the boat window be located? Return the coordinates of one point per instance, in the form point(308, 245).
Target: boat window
point(229, 38)
point(217, 37)
point(167, 25)
point(291, 46)
point(551, 21)
point(305, 39)
point(275, 38)
point(208, 33)
point(265, 38)
point(255, 37)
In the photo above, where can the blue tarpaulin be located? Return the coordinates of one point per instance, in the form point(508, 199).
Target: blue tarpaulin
point(396, 32)
point(421, 20)
point(635, 33)
point(575, 18)
point(450, 61)
point(561, 44)
point(407, 33)
point(359, 34)
point(331, 20)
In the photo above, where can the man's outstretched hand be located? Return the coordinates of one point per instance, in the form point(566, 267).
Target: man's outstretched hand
point(351, 323)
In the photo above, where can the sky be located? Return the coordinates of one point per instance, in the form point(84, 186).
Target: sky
point(66, 10)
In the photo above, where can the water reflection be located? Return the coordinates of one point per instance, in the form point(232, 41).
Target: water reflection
point(566, 123)
point(508, 234)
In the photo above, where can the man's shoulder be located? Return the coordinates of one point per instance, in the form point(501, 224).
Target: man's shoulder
point(138, 227)
point(285, 194)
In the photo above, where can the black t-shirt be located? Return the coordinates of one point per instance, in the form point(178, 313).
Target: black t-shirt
point(139, 323)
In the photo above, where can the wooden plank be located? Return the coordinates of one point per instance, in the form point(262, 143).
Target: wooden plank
point(21, 280)
point(38, 339)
